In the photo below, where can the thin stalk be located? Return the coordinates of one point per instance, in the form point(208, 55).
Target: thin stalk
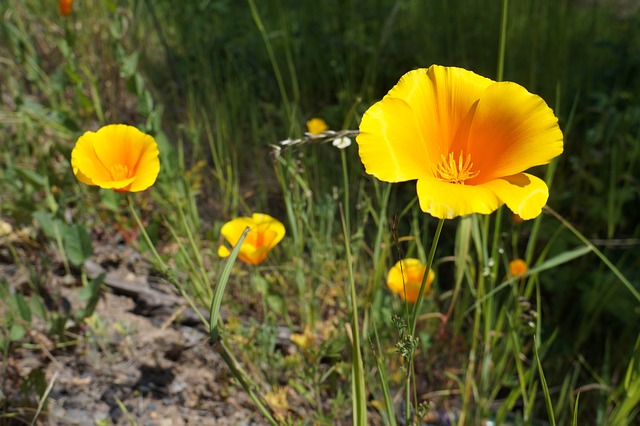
point(377, 298)
point(215, 331)
point(384, 383)
point(166, 271)
point(432, 255)
point(345, 184)
point(545, 388)
point(503, 40)
point(471, 368)
point(284, 175)
point(272, 57)
point(240, 375)
point(416, 309)
point(195, 253)
point(358, 397)
point(203, 298)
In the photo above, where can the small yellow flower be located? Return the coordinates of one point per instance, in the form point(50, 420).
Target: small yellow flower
point(303, 340)
point(405, 278)
point(466, 139)
point(65, 7)
point(117, 157)
point(277, 400)
point(266, 232)
point(315, 126)
point(517, 267)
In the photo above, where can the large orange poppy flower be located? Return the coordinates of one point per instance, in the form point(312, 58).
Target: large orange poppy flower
point(405, 279)
point(117, 157)
point(266, 232)
point(465, 138)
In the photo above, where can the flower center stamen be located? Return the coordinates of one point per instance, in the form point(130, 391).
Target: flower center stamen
point(450, 170)
point(119, 171)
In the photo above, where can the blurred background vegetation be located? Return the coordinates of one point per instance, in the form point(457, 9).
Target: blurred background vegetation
point(218, 82)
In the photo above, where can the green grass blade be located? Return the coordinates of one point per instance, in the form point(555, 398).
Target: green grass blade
point(601, 255)
point(214, 312)
point(575, 411)
point(545, 388)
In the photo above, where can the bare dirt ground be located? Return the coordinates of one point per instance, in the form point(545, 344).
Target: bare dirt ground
point(139, 360)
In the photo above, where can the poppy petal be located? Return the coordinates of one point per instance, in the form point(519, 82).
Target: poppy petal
point(389, 142)
point(446, 200)
point(223, 251)
point(85, 163)
point(120, 185)
point(440, 98)
point(511, 131)
point(523, 193)
point(147, 168)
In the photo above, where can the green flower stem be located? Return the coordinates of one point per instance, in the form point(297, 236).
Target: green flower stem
point(471, 368)
point(432, 254)
point(416, 311)
point(358, 397)
point(345, 184)
point(503, 40)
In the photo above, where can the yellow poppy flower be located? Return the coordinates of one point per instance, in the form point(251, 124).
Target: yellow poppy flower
point(117, 157)
point(315, 126)
point(266, 232)
point(405, 278)
point(65, 7)
point(517, 267)
point(465, 138)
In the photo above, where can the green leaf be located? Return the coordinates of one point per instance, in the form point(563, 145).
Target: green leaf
point(90, 294)
point(214, 311)
point(111, 199)
point(37, 307)
point(23, 307)
point(32, 177)
point(17, 332)
point(51, 227)
point(4, 290)
point(77, 244)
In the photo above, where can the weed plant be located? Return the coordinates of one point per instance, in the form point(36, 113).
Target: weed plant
point(220, 84)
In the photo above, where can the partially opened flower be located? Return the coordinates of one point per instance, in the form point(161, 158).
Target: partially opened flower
point(405, 279)
point(316, 126)
point(465, 138)
point(266, 232)
point(517, 267)
point(65, 7)
point(118, 157)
